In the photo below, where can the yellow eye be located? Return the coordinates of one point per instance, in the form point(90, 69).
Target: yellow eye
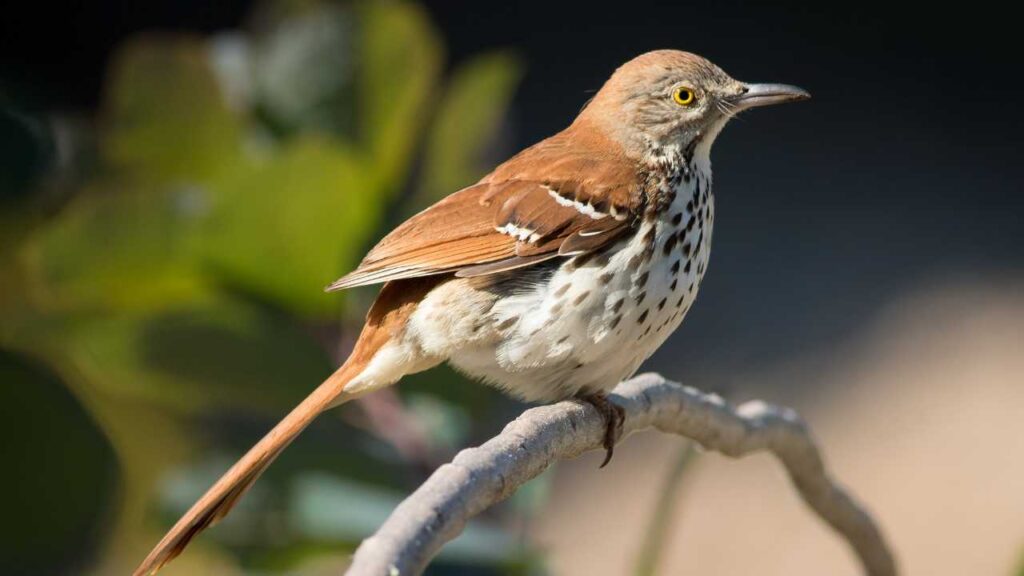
point(683, 96)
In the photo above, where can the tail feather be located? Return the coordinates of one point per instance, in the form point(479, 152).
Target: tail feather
point(225, 493)
point(385, 321)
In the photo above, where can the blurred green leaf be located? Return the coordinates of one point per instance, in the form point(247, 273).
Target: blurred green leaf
point(288, 227)
point(400, 59)
point(119, 249)
point(475, 103)
point(200, 357)
point(166, 120)
point(238, 356)
point(55, 533)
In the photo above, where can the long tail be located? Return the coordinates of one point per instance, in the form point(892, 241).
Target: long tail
point(223, 495)
point(385, 322)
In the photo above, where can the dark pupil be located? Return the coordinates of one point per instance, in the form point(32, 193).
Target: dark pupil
point(684, 94)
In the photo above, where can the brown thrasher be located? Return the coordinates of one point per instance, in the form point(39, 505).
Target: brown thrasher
point(553, 277)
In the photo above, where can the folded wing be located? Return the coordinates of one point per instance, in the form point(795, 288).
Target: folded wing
point(556, 199)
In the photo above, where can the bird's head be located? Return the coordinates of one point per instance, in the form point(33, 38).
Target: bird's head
point(668, 99)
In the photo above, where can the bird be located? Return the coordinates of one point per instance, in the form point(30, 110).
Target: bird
point(553, 277)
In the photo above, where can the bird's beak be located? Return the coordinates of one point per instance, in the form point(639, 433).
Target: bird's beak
point(768, 94)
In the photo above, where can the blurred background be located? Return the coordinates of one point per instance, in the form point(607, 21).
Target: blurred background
point(179, 180)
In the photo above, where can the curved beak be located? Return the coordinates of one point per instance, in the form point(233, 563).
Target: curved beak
point(768, 94)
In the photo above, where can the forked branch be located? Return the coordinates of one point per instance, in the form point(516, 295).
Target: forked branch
point(480, 477)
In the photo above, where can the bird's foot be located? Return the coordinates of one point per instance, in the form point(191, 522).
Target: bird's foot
point(614, 417)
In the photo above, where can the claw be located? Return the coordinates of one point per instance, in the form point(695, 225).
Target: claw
point(614, 418)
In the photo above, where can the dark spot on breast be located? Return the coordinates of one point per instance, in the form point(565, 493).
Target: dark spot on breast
point(675, 268)
point(661, 305)
point(689, 206)
point(582, 259)
point(648, 252)
point(670, 243)
point(646, 332)
point(634, 262)
point(507, 323)
point(563, 289)
point(700, 238)
point(579, 299)
point(557, 307)
point(615, 322)
point(672, 286)
point(642, 280)
point(640, 297)
point(680, 302)
point(578, 366)
point(601, 259)
point(642, 317)
point(605, 278)
point(677, 219)
point(686, 270)
point(563, 339)
point(687, 248)
point(691, 287)
point(691, 222)
point(618, 305)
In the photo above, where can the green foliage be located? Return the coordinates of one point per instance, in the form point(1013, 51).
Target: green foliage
point(214, 355)
point(166, 117)
point(180, 276)
point(398, 71)
point(477, 95)
point(279, 229)
point(32, 398)
point(115, 248)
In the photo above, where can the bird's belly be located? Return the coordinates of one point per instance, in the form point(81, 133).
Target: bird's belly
point(583, 326)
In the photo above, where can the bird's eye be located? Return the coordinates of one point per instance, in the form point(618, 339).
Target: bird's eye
point(683, 96)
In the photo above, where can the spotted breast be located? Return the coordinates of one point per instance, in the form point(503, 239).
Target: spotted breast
point(582, 324)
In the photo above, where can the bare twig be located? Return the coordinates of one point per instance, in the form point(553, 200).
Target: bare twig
point(479, 477)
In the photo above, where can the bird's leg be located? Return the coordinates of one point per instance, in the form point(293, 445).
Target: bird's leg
point(614, 417)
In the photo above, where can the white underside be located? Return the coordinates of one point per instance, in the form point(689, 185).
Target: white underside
point(546, 342)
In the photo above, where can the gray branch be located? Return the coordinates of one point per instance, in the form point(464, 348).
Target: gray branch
point(480, 477)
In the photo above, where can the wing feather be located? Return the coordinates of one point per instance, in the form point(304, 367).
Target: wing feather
point(565, 196)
